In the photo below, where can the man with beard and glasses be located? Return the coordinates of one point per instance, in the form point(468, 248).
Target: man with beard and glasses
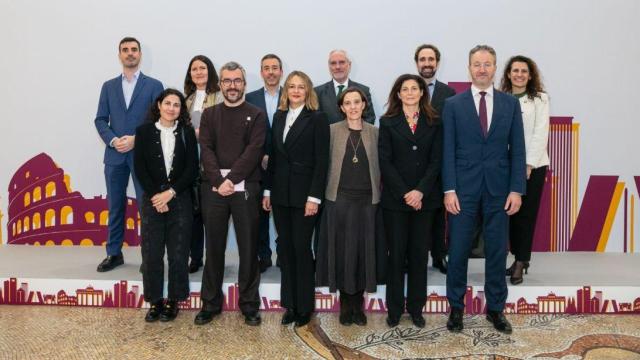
point(232, 145)
point(267, 98)
point(427, 58)
point(123, 104)
point(328, 93)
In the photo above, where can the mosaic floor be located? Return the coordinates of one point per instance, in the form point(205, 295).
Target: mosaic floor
point(32, 332)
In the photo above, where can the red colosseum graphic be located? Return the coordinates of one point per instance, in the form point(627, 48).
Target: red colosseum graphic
point(43, 210)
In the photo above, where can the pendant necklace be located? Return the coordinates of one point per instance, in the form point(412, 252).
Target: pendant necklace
point(355, 149)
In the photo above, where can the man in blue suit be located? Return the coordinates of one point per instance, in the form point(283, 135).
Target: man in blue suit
point(483, 172)
point(123, 104)
point(267, 98)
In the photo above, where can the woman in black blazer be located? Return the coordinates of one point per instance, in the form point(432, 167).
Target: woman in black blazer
point(165, 162)
point(294, 188)
point(410, 151)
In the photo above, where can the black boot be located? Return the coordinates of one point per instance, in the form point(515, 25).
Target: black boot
point(346, 317)
point(359, 318)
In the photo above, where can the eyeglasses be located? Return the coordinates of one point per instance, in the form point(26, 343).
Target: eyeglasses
point(236, 82)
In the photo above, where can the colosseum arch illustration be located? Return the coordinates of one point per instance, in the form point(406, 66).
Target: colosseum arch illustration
point(50, 189)
point(66, 215)
point(25, 224)
point(36, 221)
point(27, 199)
point(50, 218)
point(37, 194)
point(89, 217)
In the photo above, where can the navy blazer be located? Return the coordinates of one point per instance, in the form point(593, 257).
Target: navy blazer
point(256, 98)
point(471, 160)
point(114, 119)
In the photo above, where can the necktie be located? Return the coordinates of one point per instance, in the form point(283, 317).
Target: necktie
point(483, 113)
point(340, 88)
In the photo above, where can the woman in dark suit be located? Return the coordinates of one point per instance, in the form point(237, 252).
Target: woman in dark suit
point(347, 249)
point(202, 91)
point(165, 162)
point(294, 187)
point(410, 151)
point(522, 79)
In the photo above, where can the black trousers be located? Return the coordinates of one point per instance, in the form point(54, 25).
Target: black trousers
point(264, 240)
point(297, 268)
point(438, 245)
point(523, 223)
point(409, 239)
point(173, 231)
point(243, 207)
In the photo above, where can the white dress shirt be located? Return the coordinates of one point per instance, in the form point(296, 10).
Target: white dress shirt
point(488, 97)
point(292, 115)
point(336, 84)
point(168, 143)
point(128, 86)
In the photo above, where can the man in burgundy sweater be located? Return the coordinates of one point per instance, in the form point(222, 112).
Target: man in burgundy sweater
point(232, 145)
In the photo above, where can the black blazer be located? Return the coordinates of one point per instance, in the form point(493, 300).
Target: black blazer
point(410, 162)
point(149, 161)
point(329, 102)
point(298, 167)
point(441, 91)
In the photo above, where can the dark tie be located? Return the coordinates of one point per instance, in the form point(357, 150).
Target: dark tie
point(340, 88)
point(483, 113)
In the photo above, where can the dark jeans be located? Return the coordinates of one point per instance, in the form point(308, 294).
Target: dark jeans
point(172, 230)
point(523, 223)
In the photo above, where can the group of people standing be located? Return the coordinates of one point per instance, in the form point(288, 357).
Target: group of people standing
point(313, 158)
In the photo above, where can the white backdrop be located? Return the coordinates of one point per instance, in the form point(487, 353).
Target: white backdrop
point(56, 55)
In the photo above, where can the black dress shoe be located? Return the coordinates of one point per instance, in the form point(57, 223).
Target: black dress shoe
point(393, 321)
point(441, 264)
point(154, 311)
point(303, 319)
point(194, 266)
point(346, 319)
point(265, 264)
point(499, 321)
point(169, 310)
point(205, 316)
point(252, 318)
point(110, 262)
point(454, 324)
point(288, 317)
point(418, 320)
point(359, 318)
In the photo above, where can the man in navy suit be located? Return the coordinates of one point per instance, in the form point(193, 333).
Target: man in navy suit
point(483, 172)
point(267, 98)
point(123, 104)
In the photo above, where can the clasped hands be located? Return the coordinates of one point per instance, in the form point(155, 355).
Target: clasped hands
point(160, 201)
point(414, 199)
point(225, 189)
point(511, 206)
point(124, 144)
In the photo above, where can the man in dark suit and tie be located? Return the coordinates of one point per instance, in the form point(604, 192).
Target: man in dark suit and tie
point(427, 58)
point(123, 104)
point(483, 172)
point(328, 93)
point(267, 98)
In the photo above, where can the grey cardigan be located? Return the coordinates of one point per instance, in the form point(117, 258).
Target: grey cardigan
point(337, 146)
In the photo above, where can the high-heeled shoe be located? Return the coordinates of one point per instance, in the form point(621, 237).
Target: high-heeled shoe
point(509, 270)
point(517, 273)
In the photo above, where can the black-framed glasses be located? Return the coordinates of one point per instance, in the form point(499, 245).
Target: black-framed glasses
point(236, 82)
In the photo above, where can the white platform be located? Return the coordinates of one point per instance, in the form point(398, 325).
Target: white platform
point(615, 275)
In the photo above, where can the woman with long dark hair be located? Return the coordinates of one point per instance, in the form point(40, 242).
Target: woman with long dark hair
point(202, 91)
point(521, 78)
point(410, 152)
point(294, 187)
point(165, 162)
point(347, 249)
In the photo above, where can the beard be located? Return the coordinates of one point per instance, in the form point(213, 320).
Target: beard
point(233, 99)
point(427, 72)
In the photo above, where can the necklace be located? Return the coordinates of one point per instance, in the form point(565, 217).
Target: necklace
point(355, 148)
